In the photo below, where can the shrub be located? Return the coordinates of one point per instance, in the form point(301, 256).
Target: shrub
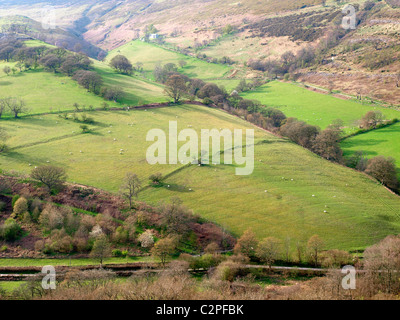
point(227, 271)
point(27, 217)
point(39, 245)
point(10, 230)
point(117, 253)
point(146, 239)
point(156, 178)
point(20, 207)
point(207, 101)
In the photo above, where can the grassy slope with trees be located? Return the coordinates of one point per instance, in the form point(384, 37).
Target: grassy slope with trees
point(150, 55)
point(108, 145)
point(355, 204)
point(314, 108)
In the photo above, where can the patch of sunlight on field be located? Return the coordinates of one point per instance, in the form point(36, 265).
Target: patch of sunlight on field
point(312, 107)
point(381, 142)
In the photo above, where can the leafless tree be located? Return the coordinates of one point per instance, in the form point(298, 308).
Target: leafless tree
point(51, 176)
point(15, 105)
point(130, 187)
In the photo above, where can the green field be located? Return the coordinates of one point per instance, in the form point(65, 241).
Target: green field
point(150, 55)
point(10, 286)
point(381, 142)
point(46, 92)
point(67, 262)
point(136, 91)
point(312, 107)
point(359, 211)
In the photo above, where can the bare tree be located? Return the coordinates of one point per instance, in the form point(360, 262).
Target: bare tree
point(51, 176)
point(382, 265)
point(15, 105)
point(315, 245)
point(130, 187)
point(268, 250)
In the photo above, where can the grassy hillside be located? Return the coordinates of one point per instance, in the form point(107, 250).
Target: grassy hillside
point(61, 92)
point(137, 91)
point(44, 91)
point(359, 211)
point(314, 108)
point(383, 142)
point(150, 55)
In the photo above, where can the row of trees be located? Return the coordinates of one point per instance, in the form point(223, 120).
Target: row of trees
point(272, 249)
point(325, 143)
point(228, 280)
point(58, 60)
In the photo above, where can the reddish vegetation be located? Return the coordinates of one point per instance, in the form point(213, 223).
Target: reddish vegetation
point(100, 202)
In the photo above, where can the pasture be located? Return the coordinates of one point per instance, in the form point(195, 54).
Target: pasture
point(45, 92)
point(312, 107)
point(150, 55)
point(380, 142)
point(292, 192)
point(61, 92)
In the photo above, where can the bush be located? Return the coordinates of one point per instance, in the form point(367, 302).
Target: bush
point(20, 207)
point(227, 271)
point(117, 253)
point(10, 230)
point(4, 249)
point(156, 178)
